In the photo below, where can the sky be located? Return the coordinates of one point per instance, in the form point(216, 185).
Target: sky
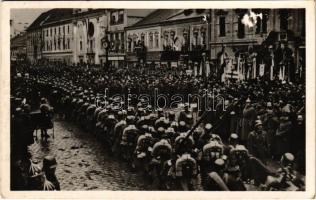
point(22, 16)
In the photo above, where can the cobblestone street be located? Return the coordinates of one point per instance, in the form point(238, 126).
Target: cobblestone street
point(83, 163)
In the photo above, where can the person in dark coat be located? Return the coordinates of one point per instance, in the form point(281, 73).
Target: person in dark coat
point(257, 142)
point(270, 124)
point(248, 118)
point(298, 143)
point(282, 135)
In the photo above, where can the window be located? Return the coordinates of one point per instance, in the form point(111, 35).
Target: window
point(64, 43)
point(157, 40)
point(258, 25)
point(68, 43)
point(58, 30)
point(113, 18)
point(121, 16)
point(284, 14)
point(142, 38)
point(122, 41)
point(222, 26)
point(203, 37)
point(151, 40)
point(51, 32)
point(55, 30)
point(117, 41)
point(264, 23)
point(47, 32)
point(261, 26)
point(58, 44)
point(68, 29)
point(64, 30)
point(241, 27)
point(195, 38)
point(117, 17)
point(80, 45)
point(129, 44)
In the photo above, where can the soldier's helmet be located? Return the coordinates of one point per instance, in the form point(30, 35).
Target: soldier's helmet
point(219, 164)
point(287, 160)
point(130, 119)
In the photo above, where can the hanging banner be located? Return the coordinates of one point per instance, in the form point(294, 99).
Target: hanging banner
point(261, 69)
point(271, 69)
point(254, 68)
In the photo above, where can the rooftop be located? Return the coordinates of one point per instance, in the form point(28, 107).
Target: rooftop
point(156, 17)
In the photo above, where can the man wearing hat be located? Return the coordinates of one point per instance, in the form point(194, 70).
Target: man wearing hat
point(257, 142)
point(248, 118)
point(282, 137)
point(298, 142)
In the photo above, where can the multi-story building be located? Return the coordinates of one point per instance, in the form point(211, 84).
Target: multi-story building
point(88, 30)
point(169, 36)
point(75, 36)
point(199, 35)
point(57, 36)
point(34, 44)
point(118, 19)
point(227, 28)
point(18, 48)
point(146, 33)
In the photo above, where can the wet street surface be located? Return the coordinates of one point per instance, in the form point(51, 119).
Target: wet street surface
point(83, 162)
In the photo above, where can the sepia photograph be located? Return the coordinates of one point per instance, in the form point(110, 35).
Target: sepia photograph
point(158, 99)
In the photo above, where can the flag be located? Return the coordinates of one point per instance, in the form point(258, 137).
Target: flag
point(254, 67)
point(261, 69)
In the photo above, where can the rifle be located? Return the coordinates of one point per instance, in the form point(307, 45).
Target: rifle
point(217, 123)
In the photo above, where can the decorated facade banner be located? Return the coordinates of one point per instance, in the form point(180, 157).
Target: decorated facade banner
point(271, 69)
point(261, 69)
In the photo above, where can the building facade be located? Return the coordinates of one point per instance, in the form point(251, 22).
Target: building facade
point(18, 48)
point(118, 19)
point(174, 37)
point(81, 36)
point(88, 30)
point(58, 38)
point(202, 36)
point(169, 37)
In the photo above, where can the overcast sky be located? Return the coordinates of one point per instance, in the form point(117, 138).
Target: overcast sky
point(22, 16)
